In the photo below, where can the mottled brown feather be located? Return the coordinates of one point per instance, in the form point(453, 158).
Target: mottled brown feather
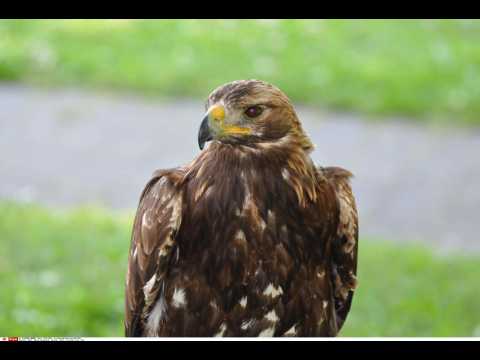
point(154, 228)
point(345, 246)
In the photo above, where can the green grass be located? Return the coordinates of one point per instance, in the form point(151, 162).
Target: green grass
point(62, 274)
point(429, 70)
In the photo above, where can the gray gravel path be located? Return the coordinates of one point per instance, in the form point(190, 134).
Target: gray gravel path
point(71, 147)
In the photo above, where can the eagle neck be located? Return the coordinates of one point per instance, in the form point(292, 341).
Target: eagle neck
point(262, 162)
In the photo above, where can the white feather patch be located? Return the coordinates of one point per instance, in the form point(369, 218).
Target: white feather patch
point(240, 235)
point(178, 298)
point(243, 302)
point(156, 315)
point(272, 316)
point(147, 288)
point(222, 330)
point(247, 323)
point(291, 331)
point(267, 332)
point(273, 291)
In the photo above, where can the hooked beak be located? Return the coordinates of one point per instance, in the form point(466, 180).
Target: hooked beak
point(204, 133)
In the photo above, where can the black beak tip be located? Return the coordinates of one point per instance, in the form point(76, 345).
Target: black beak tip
point(204, 133)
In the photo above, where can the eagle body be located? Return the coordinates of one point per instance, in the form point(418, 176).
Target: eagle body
point(249, 239)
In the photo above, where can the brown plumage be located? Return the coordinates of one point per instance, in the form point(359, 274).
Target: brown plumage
point(250, 238)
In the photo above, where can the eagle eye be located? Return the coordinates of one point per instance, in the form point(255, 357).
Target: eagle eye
point(254, 111)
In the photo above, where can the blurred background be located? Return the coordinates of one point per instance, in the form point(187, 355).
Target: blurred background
point(90, 108)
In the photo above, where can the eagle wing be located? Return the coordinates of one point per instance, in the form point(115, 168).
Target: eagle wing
point(345, 244)
point(156, 223)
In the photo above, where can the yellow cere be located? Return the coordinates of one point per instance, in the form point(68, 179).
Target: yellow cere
point(217, 112)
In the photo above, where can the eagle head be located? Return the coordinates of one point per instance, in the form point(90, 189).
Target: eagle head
point(249, 112)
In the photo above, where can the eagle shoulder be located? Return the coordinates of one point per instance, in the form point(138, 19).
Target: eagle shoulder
point(156, 223)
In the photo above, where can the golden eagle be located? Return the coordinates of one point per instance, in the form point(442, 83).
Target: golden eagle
point(248, 239)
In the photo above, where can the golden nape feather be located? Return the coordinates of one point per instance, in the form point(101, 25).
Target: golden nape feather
point(250, 238)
